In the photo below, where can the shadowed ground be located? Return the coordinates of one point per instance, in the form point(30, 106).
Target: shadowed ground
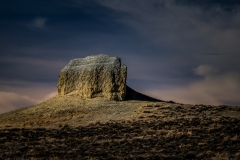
point(134, 95)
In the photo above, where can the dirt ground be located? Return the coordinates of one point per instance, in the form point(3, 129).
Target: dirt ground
point(68, 128)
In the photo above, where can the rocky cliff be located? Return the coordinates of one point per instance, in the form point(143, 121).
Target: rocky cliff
point(99, 76)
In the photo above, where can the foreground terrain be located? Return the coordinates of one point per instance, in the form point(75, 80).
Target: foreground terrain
point(66, 128)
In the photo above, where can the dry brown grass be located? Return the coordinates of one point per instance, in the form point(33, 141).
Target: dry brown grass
point(67, 128)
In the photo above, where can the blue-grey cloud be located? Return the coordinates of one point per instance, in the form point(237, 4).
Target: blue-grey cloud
point(180, 26)
point(27, 68)
point(38, 23)
point(215, 88)
point(205, 69)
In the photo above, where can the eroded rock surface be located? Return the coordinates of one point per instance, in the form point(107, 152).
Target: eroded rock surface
point(99, 76)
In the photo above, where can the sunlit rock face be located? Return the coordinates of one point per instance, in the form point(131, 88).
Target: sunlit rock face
point(99, 76)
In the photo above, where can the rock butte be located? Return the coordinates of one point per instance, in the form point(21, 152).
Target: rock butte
point(99, 76)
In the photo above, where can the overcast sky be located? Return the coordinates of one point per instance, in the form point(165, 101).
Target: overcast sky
point(181, 50)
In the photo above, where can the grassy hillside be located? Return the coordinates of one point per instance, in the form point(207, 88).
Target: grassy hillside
point(67, 128)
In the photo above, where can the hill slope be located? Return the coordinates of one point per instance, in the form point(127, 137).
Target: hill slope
point(66, 127)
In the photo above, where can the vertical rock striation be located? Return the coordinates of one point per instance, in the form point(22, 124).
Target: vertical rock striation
point(99, 76)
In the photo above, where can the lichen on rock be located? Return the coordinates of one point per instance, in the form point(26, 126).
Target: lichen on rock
point(99, 76)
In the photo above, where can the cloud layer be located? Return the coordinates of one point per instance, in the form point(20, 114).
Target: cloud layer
point(17, 94)
point(187, 27)
point(38, 23)
point(10, 101)
point(214, 88)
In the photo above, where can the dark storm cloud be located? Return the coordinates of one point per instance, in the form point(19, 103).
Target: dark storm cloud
point(182, 27)
point(180, 50)
point(27, 68)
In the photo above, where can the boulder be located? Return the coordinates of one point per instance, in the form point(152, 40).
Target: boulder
point(99, 76)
